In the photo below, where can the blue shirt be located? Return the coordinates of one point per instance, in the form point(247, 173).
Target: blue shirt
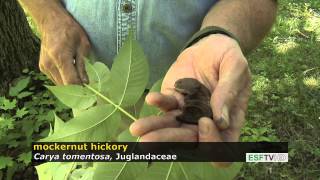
point(162, 27)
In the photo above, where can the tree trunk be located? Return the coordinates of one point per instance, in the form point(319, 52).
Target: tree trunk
point(19, 47)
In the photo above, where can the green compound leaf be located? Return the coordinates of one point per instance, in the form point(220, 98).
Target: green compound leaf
point(55, 170)
point(44, 170)
point(148, 110)
point(119, 170)
point(48, 170)
point(189, 171)
point(129, 74)
point(207, 171)
point(129, 77)
point(125, 136)
point(58, 123)
point(64, 170)
point(74, 96)
point(99, 76)
point(82, 174)
point(99, 123)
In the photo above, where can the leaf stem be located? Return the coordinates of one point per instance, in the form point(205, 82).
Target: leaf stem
point(111, 102)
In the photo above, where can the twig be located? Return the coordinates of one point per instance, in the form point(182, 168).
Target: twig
point(111, 102)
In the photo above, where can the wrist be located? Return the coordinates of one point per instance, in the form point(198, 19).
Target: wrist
point(207, 31)
point(216, 48)
point(47, 15)
point(54, 17)
point(217, 43)
point(221, 39)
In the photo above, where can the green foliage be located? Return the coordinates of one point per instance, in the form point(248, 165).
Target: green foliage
point(285, 101)
point(25, 158)
point(6, 104)
point(6, 124)
point(129, 74)
point(25, 115)
point(73, 96)
point(284, 105)
point(98, 123)
point(265, 133)
point(5, 162)
point(99, 76)
point(95, 121)
point(21, 85)
point(151, 110)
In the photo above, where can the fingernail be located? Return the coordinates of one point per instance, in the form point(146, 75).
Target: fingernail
point(222, 123)
point(85, 80)
point(225, 112)
point(203, 129)
point(225, 119)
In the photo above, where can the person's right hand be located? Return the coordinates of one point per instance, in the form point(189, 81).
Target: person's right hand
point(63, 48)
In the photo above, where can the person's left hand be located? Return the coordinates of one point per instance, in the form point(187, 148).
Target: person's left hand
point(218, 63)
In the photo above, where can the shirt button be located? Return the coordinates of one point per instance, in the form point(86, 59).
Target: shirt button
point(127, 7)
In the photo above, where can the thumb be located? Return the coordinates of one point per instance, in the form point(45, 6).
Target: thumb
point(234, 76)
point(208, 131)
point(221, 102)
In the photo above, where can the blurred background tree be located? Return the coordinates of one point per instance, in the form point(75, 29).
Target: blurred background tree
point(19, 47)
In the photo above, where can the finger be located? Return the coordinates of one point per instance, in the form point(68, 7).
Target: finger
point(55, 74)
point(43, 62)
point(164, 102)
point(232, 81)
point(64, 61)
point(171, 135)
point(145, 125)
point(237, 117)
point(209, 132)
point(47, 67)
point(80, 65)
point(49, 76)
point(43, 70)
point(68, 71)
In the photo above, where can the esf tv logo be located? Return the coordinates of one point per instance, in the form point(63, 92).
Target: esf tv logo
point(266, 157)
